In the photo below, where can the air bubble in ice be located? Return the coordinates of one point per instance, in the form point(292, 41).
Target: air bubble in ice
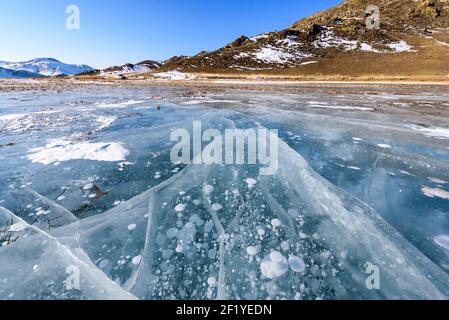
point(171, 233)
point(211, 281)
point(296, 264)
point(208, 189)
point(260, 231)
point(180, 207)
point(251, 183)
point(276, 223)
point(167, 254)
point(274, 265)
point(103, 263)
point(252, 250)
point(208, 226)
point(212, 253)
point(285, 246)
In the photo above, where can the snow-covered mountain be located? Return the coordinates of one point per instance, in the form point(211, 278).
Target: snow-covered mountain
point(47, 67)
point(144, 66)
point(11, 74)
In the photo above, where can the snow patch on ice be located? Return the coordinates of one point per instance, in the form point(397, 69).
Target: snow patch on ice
point(10, 117)
point(18, 227)
point(439, 181)
point(118, 104)
point(435, 192)
point(61, 150)
point(106, 122)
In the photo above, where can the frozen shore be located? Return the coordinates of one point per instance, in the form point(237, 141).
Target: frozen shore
point(270, 84)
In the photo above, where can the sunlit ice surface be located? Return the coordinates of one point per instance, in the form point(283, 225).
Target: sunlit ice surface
point(92, 207)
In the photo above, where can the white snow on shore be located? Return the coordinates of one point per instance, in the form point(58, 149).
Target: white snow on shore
point(328, 39)
point(258, 37)
point(174, 75)
point(400, 46)
point(368, 48)
point(340, 107)
point(281, 54)
point(272, 55)
point(200, 101)
point(308, 62)
point(441, 42)
point(432, 132)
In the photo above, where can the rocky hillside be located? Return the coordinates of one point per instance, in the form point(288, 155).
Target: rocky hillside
point(144, 66)
point(337, 40)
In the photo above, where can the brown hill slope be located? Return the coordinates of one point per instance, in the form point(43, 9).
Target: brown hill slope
point(412, 42)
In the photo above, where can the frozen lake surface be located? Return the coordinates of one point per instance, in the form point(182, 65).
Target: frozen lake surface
point(88, 189)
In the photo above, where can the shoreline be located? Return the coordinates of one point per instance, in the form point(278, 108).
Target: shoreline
point(13, 85)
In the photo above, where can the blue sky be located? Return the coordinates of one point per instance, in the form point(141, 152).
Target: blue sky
point(117, 31)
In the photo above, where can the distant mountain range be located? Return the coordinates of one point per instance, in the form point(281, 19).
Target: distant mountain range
point(49, 67)
point(11, 74)
point(40, 67)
